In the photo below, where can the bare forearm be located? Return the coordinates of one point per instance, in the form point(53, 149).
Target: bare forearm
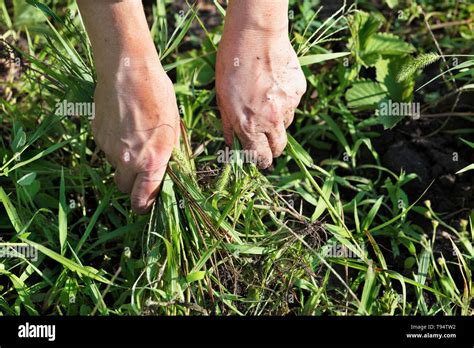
point(119, 34)
point(267, 16)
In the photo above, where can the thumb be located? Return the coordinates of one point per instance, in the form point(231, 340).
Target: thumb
point(145, 189)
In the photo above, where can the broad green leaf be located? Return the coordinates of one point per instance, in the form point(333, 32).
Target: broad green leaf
point(392, 3)
point(27, 179)
point(387, 71)
point(364, 25)
point(365, 94)
point(384, 44)
point(386, 117)
point(195, 276)
point(19, 140)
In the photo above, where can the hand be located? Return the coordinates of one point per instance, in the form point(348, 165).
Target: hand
point(259, 84)
point(137, 119)
point(137, 127)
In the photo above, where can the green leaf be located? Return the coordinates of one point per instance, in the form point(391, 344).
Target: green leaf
point(219, 8)
point(384, 44)
point(195, 276)
point(337, 132)
point(298, 150)
point(62, 215)
point(45, 9)
point(318, 58)
point(465, 169)
point(409, 262)
point(71, 265)
point(22, 291)
point(321, 205)
point(392, 3)
point(19, 140)
point(247, 249)
point(364, 26)
point(41, 154)
point(368, 291)
point(11, 211)
point(468, 143)
point(27, 179)
point(387, 71)
point(385, 116)
point(365, 94)
point(371, 215)
point(102, 206)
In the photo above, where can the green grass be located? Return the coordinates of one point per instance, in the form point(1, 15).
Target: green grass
point(225, 239)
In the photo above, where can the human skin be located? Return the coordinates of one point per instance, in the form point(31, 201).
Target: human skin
point(259, 81)
point(137, 118)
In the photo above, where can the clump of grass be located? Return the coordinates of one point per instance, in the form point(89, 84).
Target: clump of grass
point(217, 250)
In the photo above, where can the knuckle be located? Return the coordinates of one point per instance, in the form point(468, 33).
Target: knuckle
point(274, 119)
point(302, 85)
point(247, 126)
point(152, 161)
point(289, 118)
point(249, 110)
point(273, 105)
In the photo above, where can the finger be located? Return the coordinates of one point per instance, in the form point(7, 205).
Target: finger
point(228, 131)
point(124, 178)
point(277, 140)
point(227, 128)
point(111, 160)
point(288, 118)
point(257, 143)
point(145, 188)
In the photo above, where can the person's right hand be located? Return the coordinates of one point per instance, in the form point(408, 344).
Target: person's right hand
point(137, 126)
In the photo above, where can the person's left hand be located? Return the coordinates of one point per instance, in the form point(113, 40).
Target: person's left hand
point(259, 84)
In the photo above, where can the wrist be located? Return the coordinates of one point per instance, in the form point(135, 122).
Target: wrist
point(119, 35)
point(126, 60)
point(264, 17)
point(150, 73)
